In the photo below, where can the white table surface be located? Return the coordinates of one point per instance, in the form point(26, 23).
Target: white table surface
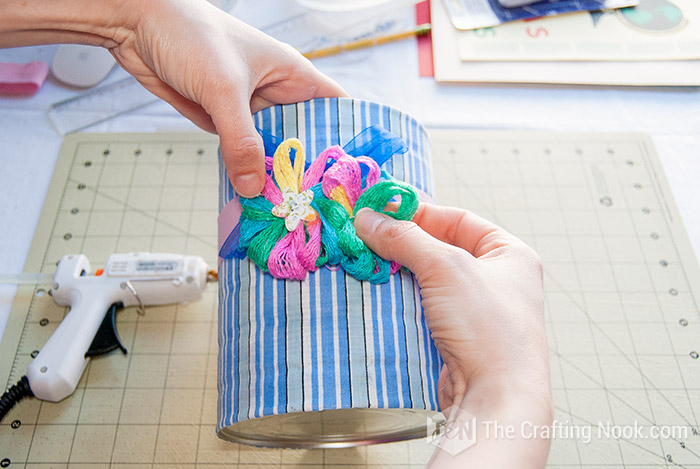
point(388, 74)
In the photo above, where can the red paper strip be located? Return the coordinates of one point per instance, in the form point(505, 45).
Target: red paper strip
point(425, 42)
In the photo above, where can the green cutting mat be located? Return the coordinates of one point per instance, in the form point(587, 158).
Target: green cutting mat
point(621, 281)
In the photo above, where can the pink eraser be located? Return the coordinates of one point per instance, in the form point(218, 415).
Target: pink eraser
point(22, 79)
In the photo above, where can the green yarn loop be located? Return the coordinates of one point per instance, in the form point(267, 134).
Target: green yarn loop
point(261, 246)
point(379, 195)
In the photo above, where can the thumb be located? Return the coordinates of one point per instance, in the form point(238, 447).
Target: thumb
point(402, 241)
point(241, 149)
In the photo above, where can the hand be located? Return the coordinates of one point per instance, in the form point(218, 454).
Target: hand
point(216, 70)
point(211, 67)
point(482, 292)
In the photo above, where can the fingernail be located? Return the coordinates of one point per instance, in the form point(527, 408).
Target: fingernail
point(248, 185)
point(367, 221)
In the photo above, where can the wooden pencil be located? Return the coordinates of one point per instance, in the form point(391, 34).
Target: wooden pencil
point(420, 30)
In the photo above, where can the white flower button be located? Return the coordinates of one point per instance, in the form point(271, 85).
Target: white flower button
point(295, 208)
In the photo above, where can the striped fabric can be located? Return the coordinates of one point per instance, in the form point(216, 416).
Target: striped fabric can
point(329, 361)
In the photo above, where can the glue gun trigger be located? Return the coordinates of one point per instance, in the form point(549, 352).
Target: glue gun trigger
point(107, 338)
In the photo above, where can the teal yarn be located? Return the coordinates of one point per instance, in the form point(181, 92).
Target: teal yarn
point(261, 246)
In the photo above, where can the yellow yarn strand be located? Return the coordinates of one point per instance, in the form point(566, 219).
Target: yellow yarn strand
point(339, 195)
point(285, 175)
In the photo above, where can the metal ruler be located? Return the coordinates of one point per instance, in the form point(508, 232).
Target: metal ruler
point(98, 105)
point(311, 30)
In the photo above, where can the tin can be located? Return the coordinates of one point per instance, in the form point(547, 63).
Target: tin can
point(329, 361)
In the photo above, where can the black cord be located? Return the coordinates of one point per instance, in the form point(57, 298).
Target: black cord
point(13, 395)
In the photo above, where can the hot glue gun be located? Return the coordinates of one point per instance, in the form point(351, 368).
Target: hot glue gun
point(89, 328)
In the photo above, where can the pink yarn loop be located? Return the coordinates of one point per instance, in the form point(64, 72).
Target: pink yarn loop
point(347, 173)
point(312, 249)
point(283, 261)
point(313, 175)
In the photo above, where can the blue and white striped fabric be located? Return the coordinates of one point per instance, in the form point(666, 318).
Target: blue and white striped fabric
point(330, 341)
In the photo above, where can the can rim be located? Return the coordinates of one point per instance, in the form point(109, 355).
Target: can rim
point(328, 441)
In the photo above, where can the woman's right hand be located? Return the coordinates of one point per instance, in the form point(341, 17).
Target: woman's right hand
point(483, 298)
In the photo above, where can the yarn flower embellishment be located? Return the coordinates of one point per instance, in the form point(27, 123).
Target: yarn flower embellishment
point(303, 218)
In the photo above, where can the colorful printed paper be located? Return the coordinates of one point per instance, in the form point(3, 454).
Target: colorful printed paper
point(475, 14)
point(661, 30)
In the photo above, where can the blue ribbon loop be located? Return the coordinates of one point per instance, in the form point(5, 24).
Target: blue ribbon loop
point(377, 143)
